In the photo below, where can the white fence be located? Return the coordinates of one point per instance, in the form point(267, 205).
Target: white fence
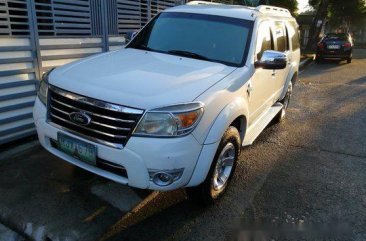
point(37, 35)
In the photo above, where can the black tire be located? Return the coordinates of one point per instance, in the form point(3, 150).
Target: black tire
point(285, 102)
point(206, 194)
point(349, 60)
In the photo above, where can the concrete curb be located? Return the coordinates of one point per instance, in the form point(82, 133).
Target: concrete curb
point(9, 235)
point(306, 62)
point(19, 150)
point(65, 202)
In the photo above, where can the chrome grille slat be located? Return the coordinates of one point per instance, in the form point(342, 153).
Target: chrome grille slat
point(86, 128)
point(94, 122)
point(64, 112)
point(110, 124)
point(94, 102)
point(106, 117)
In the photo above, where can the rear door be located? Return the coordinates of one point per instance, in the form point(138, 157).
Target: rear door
point(282, 44)
point(294, 39)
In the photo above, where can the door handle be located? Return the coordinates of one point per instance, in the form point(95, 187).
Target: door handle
point(250, 90)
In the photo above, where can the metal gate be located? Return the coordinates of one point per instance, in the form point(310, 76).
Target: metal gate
point(36, 35)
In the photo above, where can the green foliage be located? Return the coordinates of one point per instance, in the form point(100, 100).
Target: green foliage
point(339, 11)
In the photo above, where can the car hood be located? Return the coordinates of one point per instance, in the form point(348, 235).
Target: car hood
point(138, 78)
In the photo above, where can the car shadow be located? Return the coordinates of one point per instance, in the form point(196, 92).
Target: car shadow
point(359, 81)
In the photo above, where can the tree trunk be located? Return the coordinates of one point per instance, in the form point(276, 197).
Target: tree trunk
point(314, 32)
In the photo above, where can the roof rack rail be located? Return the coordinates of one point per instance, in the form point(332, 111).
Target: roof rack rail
point(202, 3)
point(273, 10)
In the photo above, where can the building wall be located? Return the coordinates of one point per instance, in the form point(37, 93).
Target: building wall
point(37, 35)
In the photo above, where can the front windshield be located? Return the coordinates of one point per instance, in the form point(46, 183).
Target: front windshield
point(206, 37)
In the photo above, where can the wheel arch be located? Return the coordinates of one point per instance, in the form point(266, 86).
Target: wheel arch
point(293, 75)
point(235, 114)
point(240, 123)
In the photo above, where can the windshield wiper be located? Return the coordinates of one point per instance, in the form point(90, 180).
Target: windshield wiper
point(188, 54)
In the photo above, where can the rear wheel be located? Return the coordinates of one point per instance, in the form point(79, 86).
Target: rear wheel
point(349, 59)
point(221, 171)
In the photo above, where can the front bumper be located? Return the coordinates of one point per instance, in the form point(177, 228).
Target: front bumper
point(138, 157)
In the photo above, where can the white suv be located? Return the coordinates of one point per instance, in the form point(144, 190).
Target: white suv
point(174, 106)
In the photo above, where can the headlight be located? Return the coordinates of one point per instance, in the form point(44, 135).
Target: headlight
point(43, 88)
point(176, 120)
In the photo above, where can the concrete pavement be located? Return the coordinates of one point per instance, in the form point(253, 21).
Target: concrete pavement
point(44, 199)
point(9, 235)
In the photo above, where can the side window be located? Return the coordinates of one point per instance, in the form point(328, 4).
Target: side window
point(287, 39)
point(280, 35)
point(264, 39)
point(294, 35)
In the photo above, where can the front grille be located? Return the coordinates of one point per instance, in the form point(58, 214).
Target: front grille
point(112, 167)
point(110, 124)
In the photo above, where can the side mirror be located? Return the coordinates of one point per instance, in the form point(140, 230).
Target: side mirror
point(130, 35)
point(272, 60)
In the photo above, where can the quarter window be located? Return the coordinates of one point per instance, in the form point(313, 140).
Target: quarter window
point(280, 34)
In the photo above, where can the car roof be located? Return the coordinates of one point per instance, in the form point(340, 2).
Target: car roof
point(234, 11)
point(219, 10)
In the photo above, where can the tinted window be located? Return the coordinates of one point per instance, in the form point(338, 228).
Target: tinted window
point(264, 39)
point(218, 39)
point(337, 36)
point(280, 36)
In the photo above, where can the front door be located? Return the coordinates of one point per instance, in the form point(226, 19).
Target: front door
point(261, 85)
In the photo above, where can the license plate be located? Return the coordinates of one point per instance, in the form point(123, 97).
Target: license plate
point(78, 149)
point(334, 46)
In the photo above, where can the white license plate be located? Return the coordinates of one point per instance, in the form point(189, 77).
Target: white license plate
point(334, 46)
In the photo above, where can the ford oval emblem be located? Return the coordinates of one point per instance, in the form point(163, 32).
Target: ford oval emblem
point(80, 118)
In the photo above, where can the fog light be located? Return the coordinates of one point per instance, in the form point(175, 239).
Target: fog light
point(165, 177)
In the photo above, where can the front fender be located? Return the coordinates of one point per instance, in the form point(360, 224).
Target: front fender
point(238, 107)
point(235, 109)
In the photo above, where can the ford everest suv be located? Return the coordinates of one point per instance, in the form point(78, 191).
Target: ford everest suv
point(174, 106)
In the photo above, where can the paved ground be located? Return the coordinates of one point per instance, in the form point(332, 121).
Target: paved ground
point(307, 172)
point(43, 199)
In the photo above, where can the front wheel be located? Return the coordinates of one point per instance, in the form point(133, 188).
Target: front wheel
point(221, 171)
point(349, 60)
